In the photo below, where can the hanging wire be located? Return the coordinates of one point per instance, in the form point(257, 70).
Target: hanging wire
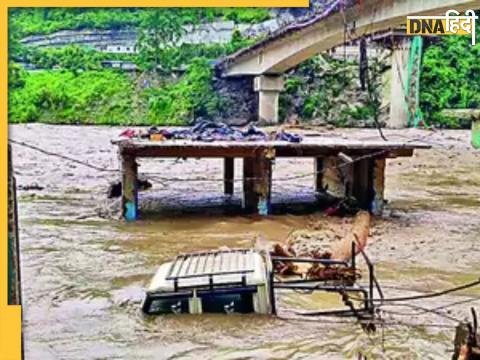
point(363, 66)
point(156, 176)
point(64, 157)
point(423, 310)
point(327, 320)
point(424, 295)
point(362, 37)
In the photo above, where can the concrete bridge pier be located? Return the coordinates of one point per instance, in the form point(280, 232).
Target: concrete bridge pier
point(398, 118)
point(268, 88)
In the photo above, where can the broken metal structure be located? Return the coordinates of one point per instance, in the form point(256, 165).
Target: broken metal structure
point(336, 276)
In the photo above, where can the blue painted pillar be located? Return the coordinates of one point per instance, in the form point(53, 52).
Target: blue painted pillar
point(257, 181)
point(378, 200)
point(129, 187)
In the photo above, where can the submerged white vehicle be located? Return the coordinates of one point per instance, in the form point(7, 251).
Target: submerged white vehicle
point(224, 281)
point(242, 281)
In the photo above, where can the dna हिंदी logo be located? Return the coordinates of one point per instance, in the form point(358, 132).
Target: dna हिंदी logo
point(451, 24)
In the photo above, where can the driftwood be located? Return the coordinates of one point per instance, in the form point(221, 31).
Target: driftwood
point(358, 235)
point(340, 250)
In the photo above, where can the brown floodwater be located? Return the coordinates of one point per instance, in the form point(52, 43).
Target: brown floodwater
point(84, 275)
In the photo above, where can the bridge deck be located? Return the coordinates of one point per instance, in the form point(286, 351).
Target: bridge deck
point(346, 167)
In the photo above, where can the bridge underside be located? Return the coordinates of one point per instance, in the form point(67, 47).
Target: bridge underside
point(299, 42)
point(270, 58)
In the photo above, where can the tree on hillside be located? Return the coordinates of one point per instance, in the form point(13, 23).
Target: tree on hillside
point(16, 75)
point(76, 59)
point(160, 29)
point(14, 45)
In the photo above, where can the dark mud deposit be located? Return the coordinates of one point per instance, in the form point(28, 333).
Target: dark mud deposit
point(83, 276)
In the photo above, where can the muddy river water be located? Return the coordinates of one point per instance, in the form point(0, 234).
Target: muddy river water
point(84, 275)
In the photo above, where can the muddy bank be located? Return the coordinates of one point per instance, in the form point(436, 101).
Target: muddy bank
point(84, 275)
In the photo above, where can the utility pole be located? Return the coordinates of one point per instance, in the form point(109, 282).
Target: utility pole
point(14, 288)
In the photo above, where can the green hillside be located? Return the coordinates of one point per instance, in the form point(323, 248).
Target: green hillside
point(73, 87)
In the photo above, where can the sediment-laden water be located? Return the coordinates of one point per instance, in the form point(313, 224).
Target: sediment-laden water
point(84, 275)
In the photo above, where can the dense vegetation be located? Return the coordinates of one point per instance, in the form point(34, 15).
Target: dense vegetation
point(450, 79)
point(73, 87)
point(185, 100)
point(328, 89)
point(112, 97)
point(103, 97)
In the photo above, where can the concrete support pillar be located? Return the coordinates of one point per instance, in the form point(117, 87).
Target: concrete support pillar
point(257, 181)
point(228, 175)
point(268, 88)
point(378, 186)
point(129, 187)
point(398, 117)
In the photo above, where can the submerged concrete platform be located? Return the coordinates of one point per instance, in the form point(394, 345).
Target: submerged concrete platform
point(343, 167)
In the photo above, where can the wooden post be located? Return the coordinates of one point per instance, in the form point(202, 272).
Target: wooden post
point(14, 279)
point(257, 181)
point(369, 184)
point(378, 186)
point(318, 177)
point(362, 183)
point(249, 199)
point(263, 183)
point(129, 187)
point(228, 175)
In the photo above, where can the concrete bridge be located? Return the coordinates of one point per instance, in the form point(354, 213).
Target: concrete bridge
point(270, 58)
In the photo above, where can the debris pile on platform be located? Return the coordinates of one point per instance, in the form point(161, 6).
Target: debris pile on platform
point(212, 131)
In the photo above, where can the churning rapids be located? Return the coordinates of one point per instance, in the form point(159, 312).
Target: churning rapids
point(84, 275)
